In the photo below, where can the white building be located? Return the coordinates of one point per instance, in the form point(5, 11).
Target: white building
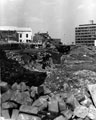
point(24, 34)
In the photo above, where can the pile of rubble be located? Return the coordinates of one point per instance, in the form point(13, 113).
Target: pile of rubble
point(21, 102)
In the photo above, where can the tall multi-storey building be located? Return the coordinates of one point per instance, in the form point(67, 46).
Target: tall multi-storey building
point(18, 34)
point(85, 34)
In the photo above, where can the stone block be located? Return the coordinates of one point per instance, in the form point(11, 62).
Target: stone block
point(92, 112)
point(5, 114)
point(15, 86)
point(67, 113)
point(53, 106)
point(22, 97)
point(81, 111)
point(60, 118)
point(92, 90)
point(41, 103)
point(6, 96)
point(7, 105)
point(62, 105)
point(28, 109)
point(27, 117)
point(15, 114)
point(72, 101)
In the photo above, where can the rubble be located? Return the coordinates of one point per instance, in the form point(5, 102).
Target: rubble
point(68, 92)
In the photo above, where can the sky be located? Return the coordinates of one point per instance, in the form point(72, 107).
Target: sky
point(58, 17)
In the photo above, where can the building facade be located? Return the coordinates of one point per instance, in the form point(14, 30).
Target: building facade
point(85, 34)
point(17, 34)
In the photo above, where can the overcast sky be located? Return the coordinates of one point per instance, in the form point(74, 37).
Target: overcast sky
point(58, 17)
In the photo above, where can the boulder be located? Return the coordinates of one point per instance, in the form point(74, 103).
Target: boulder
point(41, 103)
point(21, 97)
point(60, 118)
point(28, 109)
point(72, 101)
point(15, 86)
point(81, 111)
point(92, 112)
point(6, 96)
point(15, 113)
point(67, 113)
point(92, 90)
point(86, 102)
point(5, 114)
point(9, 104)
point(53, 106)
point(23, 116)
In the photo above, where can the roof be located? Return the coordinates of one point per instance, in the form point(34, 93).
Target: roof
point(12, 28)
point(88, 25)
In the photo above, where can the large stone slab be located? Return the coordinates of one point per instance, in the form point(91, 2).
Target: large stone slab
point(5, 114)
point(61, 118)
point(7, 105)
point(21, 97)
point(27, 117)
point(92, 90)
point(81, 111)
point(53, 106)
point(6, 96)
point(92, 112)
point(29, 109)
point(15, 114)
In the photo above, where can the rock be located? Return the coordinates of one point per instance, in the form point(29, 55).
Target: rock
point(23, 116)
point(67, 113)
point(15, 113)
point(41, 103)
point(6, 96)
point(92, 90)
point(71, 100)
point(62, 105)
point(23, 87)
point(3, 84)
point(21, 97)
point(61, 118)
point(33, 91)
point(5, 114)
point(28, 109)
point(15, 86)
point(81, 111)
point(86, 102)
point(46, 91)
point(53, 106)
point(9, 104)
point(92, 112)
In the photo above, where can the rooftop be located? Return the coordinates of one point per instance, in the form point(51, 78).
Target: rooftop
point(12, 28)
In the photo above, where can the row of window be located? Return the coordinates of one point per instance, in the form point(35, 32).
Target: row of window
point(86, 27)
point(21, 35)
point(86, 36)
point(85, 41)
point(26, 40)
point(83, 33)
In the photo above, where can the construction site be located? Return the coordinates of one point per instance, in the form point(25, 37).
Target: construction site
point(51, 83)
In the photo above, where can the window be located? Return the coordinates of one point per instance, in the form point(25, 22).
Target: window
point(26, 35)
point(27, 41)
point(20, 35)
point(20, 40)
